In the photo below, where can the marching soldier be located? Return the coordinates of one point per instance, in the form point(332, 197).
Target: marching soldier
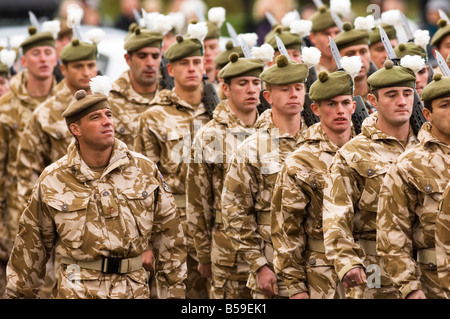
point(296, 211)
point(378, 53)
point(442, 242)
point(249, 183)
point(441, 41)
point(234, 119)
point(165, 134)
point(104, 209)
point(410, 198)
point(133, 91)
point(356, 175)
point(291, 41)
point(28, 89)
point(216, 17)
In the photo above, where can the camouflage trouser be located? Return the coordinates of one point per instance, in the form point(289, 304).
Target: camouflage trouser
point(322, 280)
point(223, 288)
point(430, 282)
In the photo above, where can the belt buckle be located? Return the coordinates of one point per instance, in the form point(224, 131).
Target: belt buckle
point(112, 265)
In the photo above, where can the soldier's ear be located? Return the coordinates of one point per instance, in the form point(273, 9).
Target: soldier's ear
point(373, 100)
point(315, 108)
point(427, 114)
point(170, 69)
point(75, 129)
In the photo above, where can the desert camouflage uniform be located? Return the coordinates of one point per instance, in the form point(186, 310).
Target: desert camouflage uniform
point(213, 148)
point(126, 105)
point(407, 210)
point(16, 108)
point(247, 195)
point(165, 135)
point(296, 219)
point(350, 206)
point(443, 242)
point(119, 213)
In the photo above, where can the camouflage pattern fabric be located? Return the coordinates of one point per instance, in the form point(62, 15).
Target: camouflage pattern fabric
point(212, 150)
point(127, 105)
point(165, 134)
point(247, 195)
point(350, 200)
point(407, 210)
point(122, 213)
point(296, 214)
point(443, 242)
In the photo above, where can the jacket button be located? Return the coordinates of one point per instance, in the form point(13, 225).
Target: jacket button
point(65, 207)
point(428, 188)
point(105, 193)
point(312, 262)
point(144, 194)
point(313, 185)
point(370, 172)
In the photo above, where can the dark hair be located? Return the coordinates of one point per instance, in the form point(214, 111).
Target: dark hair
point(428, 105)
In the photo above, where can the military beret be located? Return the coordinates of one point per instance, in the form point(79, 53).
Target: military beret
point(141, 38)
point(285, 71)
point(374, 35)
point(438, 88)
point(183, 48)
point(4, 72)
point(349, 36)
point(37, 39)
point(289, 39)
point(216, 17)
point(409, 48)
point(441, 33)
point(330, 85)
point(84, 104)
point(223, 57)
point(213, 31)
point(241, 67)
point(390, 76)
point(322, 20)
point(79, 51)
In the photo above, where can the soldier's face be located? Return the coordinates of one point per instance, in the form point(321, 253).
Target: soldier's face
point(243, 93)
point(79, 74)
point(187, 72)
point(144, 66)
point(211, 51)
point(440, 118)
point(95, 130)
point(394, 104)
point(361, 50)
point(444, 46)
point(295, 55)
point(40, 61)
point(336, 113)
point(321, 41)
point(286, 99)
point(378, 54)
point(422, 78)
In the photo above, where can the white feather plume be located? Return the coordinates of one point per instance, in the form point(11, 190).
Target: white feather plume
point(391, 17)
point(198, 30)
point(178, 21)
point(422, 38)
point(412, 62)
point(217, 15)
point(74, 15)
point(365, 23)
point(289, 18)
point(16, 40)
point(100, 84)
point(352, 65)
point(52, 26)
point(301, 27)
point(265, 52)
point(311, 56)
point(342, 7)
point(8, 57)
point(158, 22)
point(95, 35)
point(250, 38)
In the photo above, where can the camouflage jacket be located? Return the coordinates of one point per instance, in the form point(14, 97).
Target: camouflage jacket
point(16, 108)
point(408, 207)
point(124, 212)
point(350, 197)
point(442, 242)
point(44, 140)
point(247, 191)
point(213, 147)
point(296, 208)
point(126, 105)
point(165, 135)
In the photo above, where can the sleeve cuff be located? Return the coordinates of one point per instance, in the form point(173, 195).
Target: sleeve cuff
point(346, 269)
point(410, 287)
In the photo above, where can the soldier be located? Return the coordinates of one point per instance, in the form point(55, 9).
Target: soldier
point(355, 42)
point(133, 91)
point(166, 130)
point(291, 41)
point(378, 53)
point(441, 40)
point(248, 185)
point(104, 209)
point(323, 26)
point(442, 242)
point(234, 119)
point(355, 178)
point(410, 198)
point(28, 89)
point(211, 45)
point(296, 209)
